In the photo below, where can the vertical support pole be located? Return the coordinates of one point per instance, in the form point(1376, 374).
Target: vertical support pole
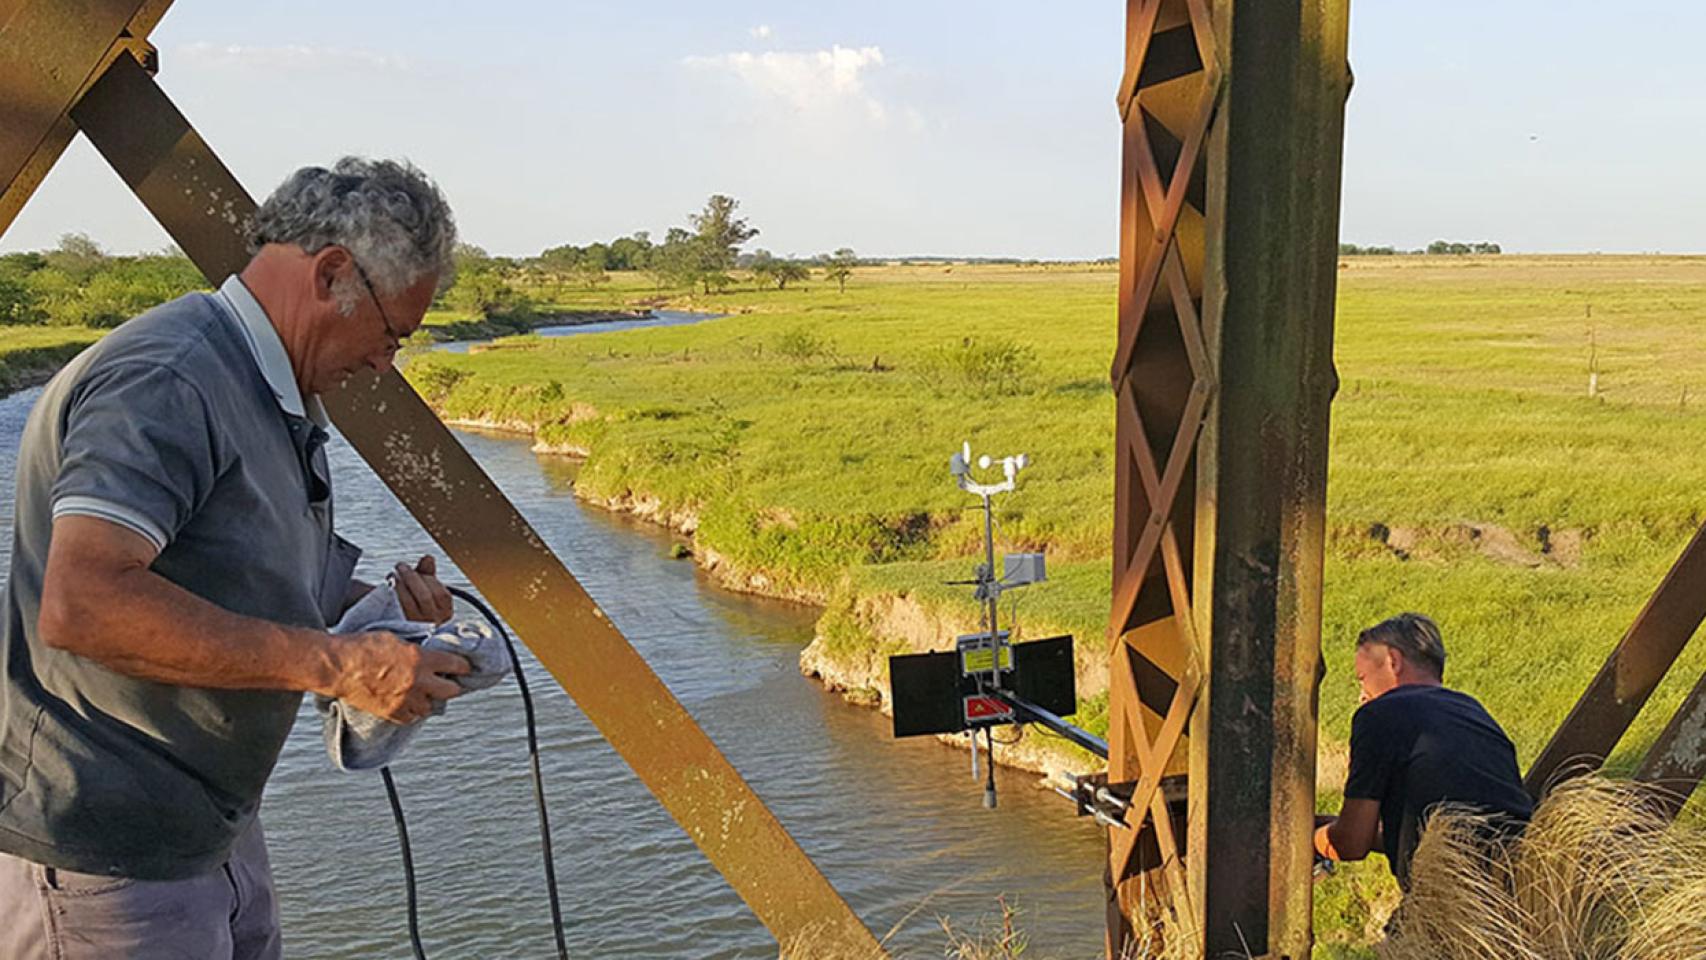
point(1233, 118)
point(1273, 215)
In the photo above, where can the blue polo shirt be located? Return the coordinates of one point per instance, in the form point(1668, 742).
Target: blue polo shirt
point(185, 426)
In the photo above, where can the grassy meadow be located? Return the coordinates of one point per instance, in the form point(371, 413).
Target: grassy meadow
point(1472, 475)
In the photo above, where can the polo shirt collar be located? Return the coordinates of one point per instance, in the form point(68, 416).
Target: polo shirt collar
point(268, 350)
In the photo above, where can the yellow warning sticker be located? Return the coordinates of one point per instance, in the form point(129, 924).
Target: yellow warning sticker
point(979, 660)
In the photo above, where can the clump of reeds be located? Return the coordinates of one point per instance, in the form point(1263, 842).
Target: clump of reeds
point(997, 938)
point(1602, 873)
point(1003, 940)
point(825, 944)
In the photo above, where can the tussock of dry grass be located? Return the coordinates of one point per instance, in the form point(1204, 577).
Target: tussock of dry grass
point(1002, 937)
point(1601, 874)
point(819, 944)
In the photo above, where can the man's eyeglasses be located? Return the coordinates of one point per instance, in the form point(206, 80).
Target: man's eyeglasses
point(385, 318)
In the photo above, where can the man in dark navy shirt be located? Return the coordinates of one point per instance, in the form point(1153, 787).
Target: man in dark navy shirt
point(1416, 745)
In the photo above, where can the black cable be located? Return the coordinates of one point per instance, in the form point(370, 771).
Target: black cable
point(408, 861)
point(533, 761)
point(989, 755)
point(538, 798)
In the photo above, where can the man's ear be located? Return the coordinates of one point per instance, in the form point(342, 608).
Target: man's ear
point(328, 265)
point(1395, 661)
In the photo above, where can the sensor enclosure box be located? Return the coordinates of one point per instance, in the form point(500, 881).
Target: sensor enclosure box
point(1018, 569)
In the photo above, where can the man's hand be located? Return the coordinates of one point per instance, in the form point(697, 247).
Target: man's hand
point(423, 597)
point(393, 679)
point(1352, 834)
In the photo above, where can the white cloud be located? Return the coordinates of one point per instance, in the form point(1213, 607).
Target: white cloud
point(286, 56)
point(810, 82)
point(761, 32)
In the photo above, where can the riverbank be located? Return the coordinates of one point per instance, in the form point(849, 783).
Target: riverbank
point(856, 631)
point(31, 355)
point(1470, 475)
point(447, 328)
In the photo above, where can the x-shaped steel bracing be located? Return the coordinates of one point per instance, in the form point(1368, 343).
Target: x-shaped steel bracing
point(69, 65)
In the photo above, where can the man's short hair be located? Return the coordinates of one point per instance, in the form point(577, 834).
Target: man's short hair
point(389, 215)
point(1412, 634)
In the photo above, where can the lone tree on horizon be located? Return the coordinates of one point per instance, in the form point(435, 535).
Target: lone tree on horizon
point(838, 266)
point(719, 233)
point(767, 268)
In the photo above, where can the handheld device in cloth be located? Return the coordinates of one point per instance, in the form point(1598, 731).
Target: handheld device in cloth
point(358, 740)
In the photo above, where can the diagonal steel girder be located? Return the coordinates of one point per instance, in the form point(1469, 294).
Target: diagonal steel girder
point(78, 68)
point(53, 52)
point(1615, 696)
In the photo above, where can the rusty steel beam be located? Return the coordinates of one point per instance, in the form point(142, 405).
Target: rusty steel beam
point(1634, 669)
point(1222, 374)
point(1274, 159)
point(45, 66)
point(1164, 386)
point(1676, 762)
point(179, 179)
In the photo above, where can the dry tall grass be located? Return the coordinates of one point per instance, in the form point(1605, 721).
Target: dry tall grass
point(1601, 874)
point(1002, 937)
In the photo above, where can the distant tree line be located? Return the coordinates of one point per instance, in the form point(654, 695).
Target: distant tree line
point(1438, 247)
point(1453, 247)
point(704, 254)
point(79, 284)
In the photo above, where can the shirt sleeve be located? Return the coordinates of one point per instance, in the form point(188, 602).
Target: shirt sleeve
point(1373, 757)
point(138, 449)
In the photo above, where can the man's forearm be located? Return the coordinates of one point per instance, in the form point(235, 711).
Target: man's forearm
point(140, 624)
point(1352, 834)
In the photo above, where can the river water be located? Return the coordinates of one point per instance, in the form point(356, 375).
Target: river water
point(896, 826)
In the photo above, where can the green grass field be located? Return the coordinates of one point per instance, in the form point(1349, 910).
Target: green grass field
point(1472, 476)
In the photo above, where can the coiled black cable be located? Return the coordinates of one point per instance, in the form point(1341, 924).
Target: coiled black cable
point(538, 797)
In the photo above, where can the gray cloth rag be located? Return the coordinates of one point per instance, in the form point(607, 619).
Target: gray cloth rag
point(358, 740)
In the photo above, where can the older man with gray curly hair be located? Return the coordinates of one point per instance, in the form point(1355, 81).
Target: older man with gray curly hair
point(174, 571)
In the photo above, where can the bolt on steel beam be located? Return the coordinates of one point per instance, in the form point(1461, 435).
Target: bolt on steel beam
point(46, 47)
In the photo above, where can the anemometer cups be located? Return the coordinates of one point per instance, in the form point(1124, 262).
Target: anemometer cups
point(960, 465)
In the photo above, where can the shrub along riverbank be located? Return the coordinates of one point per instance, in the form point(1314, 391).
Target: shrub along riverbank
point(1473, 477)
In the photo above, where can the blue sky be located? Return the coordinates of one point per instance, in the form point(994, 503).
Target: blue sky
point(921, 127)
